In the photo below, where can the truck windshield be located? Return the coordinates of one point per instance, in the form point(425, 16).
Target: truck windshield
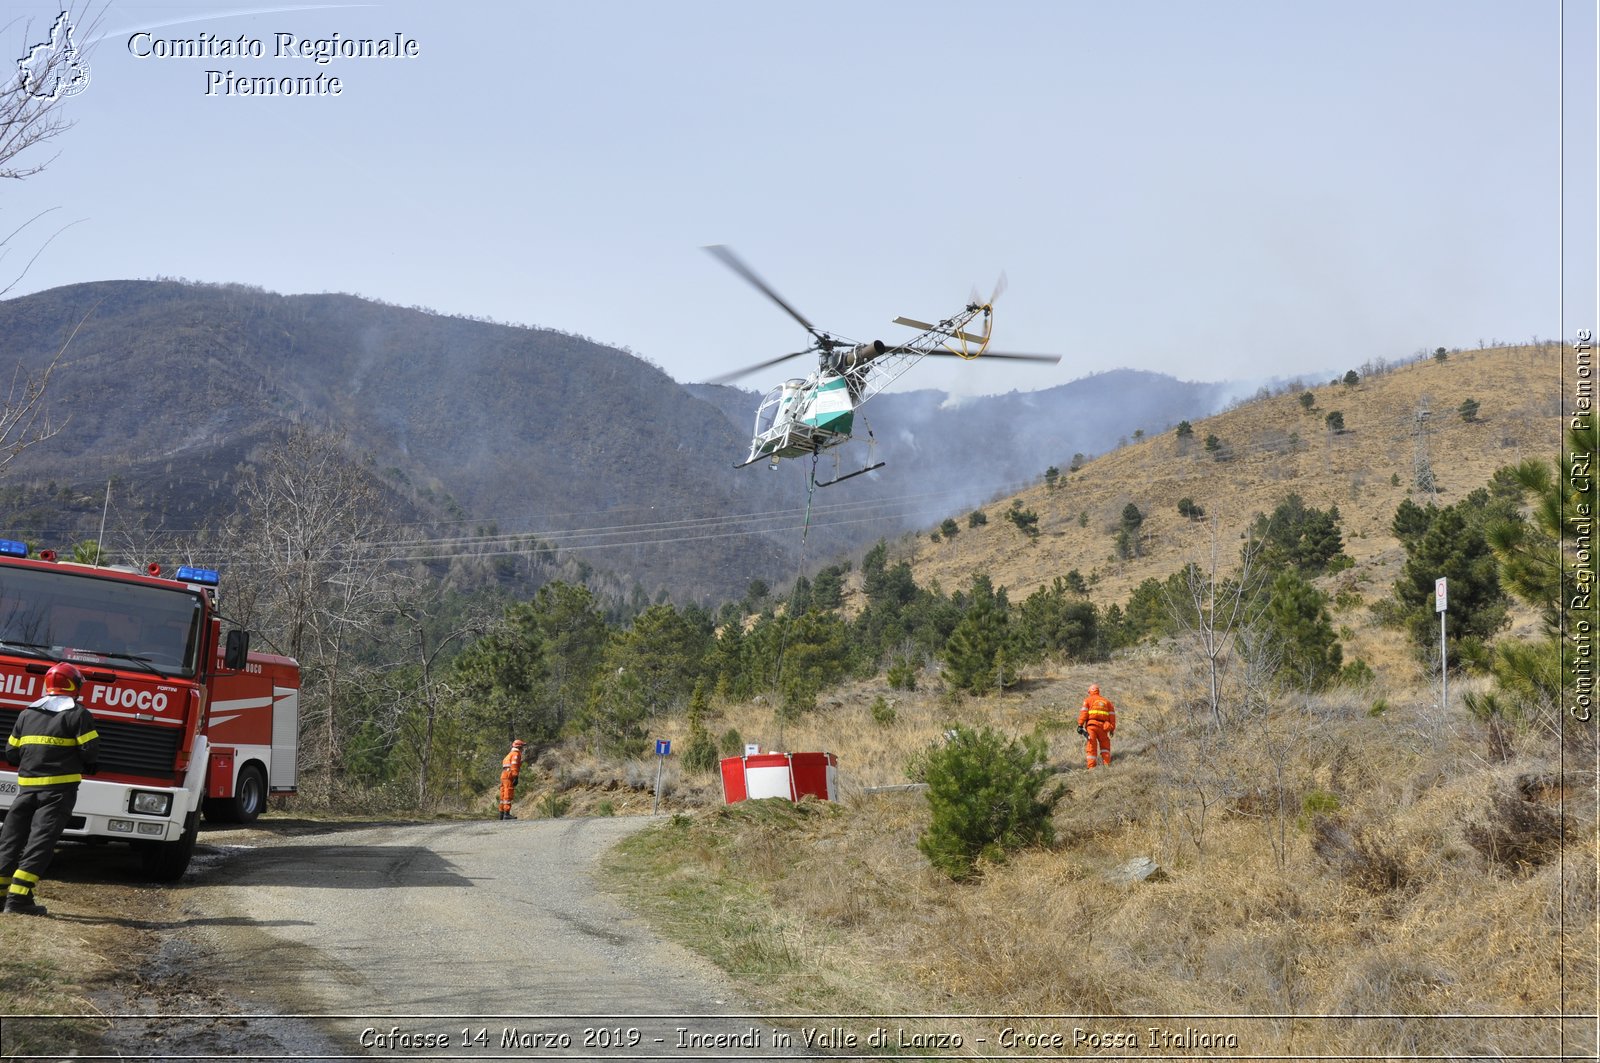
point(87, 618)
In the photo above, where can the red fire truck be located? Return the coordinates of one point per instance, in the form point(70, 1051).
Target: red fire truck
point(189, 721)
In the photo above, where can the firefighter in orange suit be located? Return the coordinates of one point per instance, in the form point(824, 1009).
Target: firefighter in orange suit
point(1097, 722)
point(510, 769)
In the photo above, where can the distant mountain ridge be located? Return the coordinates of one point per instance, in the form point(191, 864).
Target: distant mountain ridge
point(171, 385)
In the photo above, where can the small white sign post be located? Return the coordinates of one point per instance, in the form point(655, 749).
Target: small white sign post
point(1441, 602)
point(663, 747)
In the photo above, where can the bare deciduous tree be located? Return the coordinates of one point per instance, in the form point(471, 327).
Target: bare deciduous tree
point(49, 69)
point(1212, 612)
point(314, 556)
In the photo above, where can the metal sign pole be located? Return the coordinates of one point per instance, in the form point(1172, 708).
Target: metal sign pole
point(663, 747)
point(1440, 604)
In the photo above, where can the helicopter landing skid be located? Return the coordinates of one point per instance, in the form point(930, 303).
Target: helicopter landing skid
point(850, 475)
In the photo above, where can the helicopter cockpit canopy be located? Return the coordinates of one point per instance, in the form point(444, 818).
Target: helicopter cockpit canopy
point(776, 402)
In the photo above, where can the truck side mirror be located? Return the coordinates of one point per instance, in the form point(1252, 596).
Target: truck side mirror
point(237, 651)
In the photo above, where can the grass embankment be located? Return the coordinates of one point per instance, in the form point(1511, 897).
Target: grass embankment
point(1316, 860)
point(54, 967)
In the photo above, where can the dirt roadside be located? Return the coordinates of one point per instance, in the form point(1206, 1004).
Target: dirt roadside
point(297, 939)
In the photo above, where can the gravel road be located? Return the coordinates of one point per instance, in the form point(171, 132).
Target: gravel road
point(439, 940)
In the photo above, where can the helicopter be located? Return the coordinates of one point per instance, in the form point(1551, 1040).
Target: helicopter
point(817, 413)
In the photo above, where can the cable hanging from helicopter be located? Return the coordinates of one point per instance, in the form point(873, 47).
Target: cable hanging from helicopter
point(818, 412)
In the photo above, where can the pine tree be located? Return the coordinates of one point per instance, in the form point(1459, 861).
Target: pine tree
point(1454, 547)
point(984, 794)
point(1297, 536)
point(984, 629)
point(1531, 674)
point(1302, 632)
point(1055, 619)
point(700, 752)
point(1411, 522)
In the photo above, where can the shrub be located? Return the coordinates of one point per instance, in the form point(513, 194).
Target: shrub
point(1356, 674)
point(1469, 410)
point(1362, 857)
point(1334, 421)
point(977, 519)
point(1315, 805)
point(984, 793)
point(1519, 834)
point(1026, 520)
point(883, 713)
point(950, 528)
point(1185, 430)
point(902, 674)
point(731, 744)
point(700, 752)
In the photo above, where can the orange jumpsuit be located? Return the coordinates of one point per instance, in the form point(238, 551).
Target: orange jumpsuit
point(1099, 717)
point(510, 768)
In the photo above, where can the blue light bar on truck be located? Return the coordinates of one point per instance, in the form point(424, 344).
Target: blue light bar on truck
point(198, 575)
point(12, 548)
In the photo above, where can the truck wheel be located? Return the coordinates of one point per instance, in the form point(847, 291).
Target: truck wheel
point(167, 861)
point(249, 795)
point(249, 799)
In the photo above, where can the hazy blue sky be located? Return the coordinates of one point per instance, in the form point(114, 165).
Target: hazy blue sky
point(1213, 190)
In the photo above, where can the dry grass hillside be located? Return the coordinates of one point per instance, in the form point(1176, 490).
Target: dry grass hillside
point(1274, 446)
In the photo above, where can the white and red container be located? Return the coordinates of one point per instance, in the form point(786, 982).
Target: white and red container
point(788, 775)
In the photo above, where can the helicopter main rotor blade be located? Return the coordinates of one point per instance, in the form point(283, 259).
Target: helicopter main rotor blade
point(733, 262)
point(1048, 359)
point(737, 373)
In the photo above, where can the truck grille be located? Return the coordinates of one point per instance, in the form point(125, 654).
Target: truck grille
point(126, 748)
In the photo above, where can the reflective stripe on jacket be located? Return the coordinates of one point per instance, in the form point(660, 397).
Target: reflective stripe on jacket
point(1096, 709)
point(54, 743)
point(512, 763)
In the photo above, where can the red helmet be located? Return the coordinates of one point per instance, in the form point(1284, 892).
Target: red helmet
point(63, 678)
point(519, 743)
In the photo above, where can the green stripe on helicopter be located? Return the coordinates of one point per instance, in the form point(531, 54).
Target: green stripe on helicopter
point(830, 408)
